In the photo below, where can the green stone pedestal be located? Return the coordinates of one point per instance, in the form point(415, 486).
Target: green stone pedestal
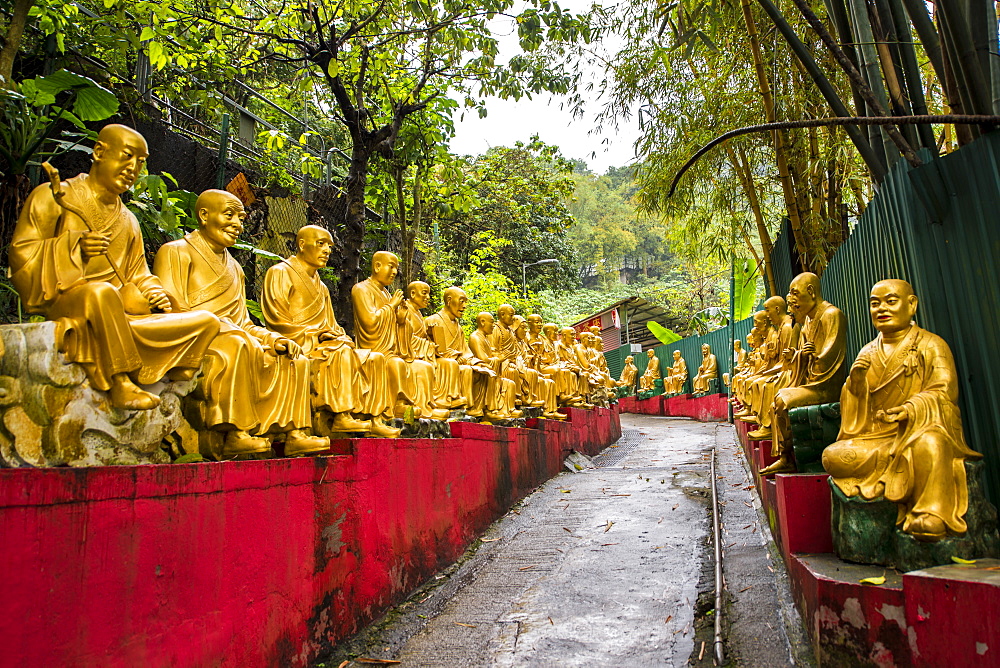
point(713, 388)
point(813, 428)
point(655, 392)
point(865, 531)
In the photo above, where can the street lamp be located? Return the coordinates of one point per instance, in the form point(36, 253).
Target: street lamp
point(524, 272)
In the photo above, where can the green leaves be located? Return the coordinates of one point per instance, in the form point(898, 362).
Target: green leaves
point(92, 101)
point(744, 290)
point(664, 335)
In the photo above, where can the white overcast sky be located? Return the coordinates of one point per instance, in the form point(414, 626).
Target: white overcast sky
point(509, 121)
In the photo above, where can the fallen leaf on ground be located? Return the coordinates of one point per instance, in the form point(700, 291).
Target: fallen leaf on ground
point(377, 662)
point(527, 567)
point(608, 527)
point(606, 544)
point(621, 495)
point(567, 530)
point(551, 622)
point(471, 626)
point(744, 589)
point(490, 540)
point(873, 581)
point(667, 620)
point(960, 560)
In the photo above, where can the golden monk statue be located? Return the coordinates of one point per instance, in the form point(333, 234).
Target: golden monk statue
point(600, 361)
point(77, 258)
point(739, 359)
point(901, 433)
point(780, 374)
point(529, 358)
point(481, 344)
point(448, 383)
point(346, 381)
point(757, 360)
point(569, 355)
point(629, 372)
point(547, 361)
point(677, 376)
point(480, 385)
point(505, 343)
point(708, 370)
point(652, 373)
point(577, 384)
point(819, 363)
point(378, 317)
point(255, 383)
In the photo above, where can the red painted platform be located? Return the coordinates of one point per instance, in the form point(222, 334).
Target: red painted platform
point(252, 563)
point(803, 501)
point(710, 408)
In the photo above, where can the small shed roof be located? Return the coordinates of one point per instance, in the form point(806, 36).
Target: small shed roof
point(636, 312)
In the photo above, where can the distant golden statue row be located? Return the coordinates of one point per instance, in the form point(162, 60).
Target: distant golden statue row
point(901, 435)
point(77, 258)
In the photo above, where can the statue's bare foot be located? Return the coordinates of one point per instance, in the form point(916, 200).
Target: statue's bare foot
point(438, 414)
point(749, 418)
point(239, 442)
point(345, 422)
point(474, 412)
point(298, 442)
point(927, 528)
point(537, 404)
point(761, 434)
point(380, 429)
point(554, 415)
point(180, 373)
point(780, 466)
point(126, 394)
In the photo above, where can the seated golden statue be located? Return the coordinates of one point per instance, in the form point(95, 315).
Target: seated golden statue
point(600, 361)
point(674, 382)
point(548, 361)
point(629, 372)
point(739, 359)
point(254, 383)
point(479, 383)
point(415, 339)
point(765, 354)
point(346, 382)
point(708, 370)
point(568, 353)
point(781, 372)
point(378, 316)
point(652, 373)
point(481, 344)
point(505, 343)
point(818, 364)
point(77, 257)
point(529, 358)
point(901, 433)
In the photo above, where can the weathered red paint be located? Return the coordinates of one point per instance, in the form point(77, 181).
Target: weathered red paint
point(742, 429)
point(709, 408)
point(249, 563)
point(804, 512)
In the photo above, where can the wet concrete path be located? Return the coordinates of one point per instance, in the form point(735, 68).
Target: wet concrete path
point(602, 567)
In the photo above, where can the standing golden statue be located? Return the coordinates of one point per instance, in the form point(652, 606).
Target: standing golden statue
point(818, 363)
point(707, 371)
point(77, 257)
point(378, 316)
point(674, 382)
point(346, 382)
point(255, 383)
point(480, 385)
point(652, 373)
point(901, 433)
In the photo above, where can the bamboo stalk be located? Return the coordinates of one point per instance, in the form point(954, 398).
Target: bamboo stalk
point(911, 72)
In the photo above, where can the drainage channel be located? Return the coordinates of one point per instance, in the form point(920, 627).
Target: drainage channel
point(614, 454)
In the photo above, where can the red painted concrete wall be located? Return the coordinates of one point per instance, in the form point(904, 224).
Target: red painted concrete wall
point(250, 563)
point(710, 408)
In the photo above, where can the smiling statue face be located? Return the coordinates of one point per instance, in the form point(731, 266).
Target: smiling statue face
point(314, 245)
point(520, 328)
point(420, 293)
point(221, 217)
point(119, 156)
point(892, 306)
point(385, 267)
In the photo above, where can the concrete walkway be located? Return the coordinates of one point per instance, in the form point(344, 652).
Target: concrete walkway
point(607, 566)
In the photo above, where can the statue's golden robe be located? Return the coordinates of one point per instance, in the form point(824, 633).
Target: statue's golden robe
point(49, 273)
point(548, 364)
point(415, 344)
point(344, 379)
point(450, 344)
point(918, 463)
point(651, 374)
point(525, 379)
point(244, 384)
point(481, 346)
point(674, 382)
point(780, 374)
point(627, 377)
point(708, 370)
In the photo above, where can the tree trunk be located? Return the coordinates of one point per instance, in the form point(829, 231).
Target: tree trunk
point(18, 19)
point(353, 237)
point(742, 166)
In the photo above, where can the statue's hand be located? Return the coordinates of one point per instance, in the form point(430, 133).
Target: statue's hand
point(158, 299)
point(859, 369)
point(787, 354)
point(485, 371)
point(897, 414)
point(326, 336)
point(93, 244)
point(809, 348)
point(397, 299)
point(287, 347)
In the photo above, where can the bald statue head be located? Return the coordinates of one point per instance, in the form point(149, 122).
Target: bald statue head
point(484, 322)
point(551, 330)
point(385, 267)
point(220, 218)
point(567, 335)
point(419, 293)
point(892, 305)
point(505, 314)
point(534, 324)
point(119, 156)
point(520, 327)
point(804, 295)
point(313, 245)
point(455, 300)
point(776, 310)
